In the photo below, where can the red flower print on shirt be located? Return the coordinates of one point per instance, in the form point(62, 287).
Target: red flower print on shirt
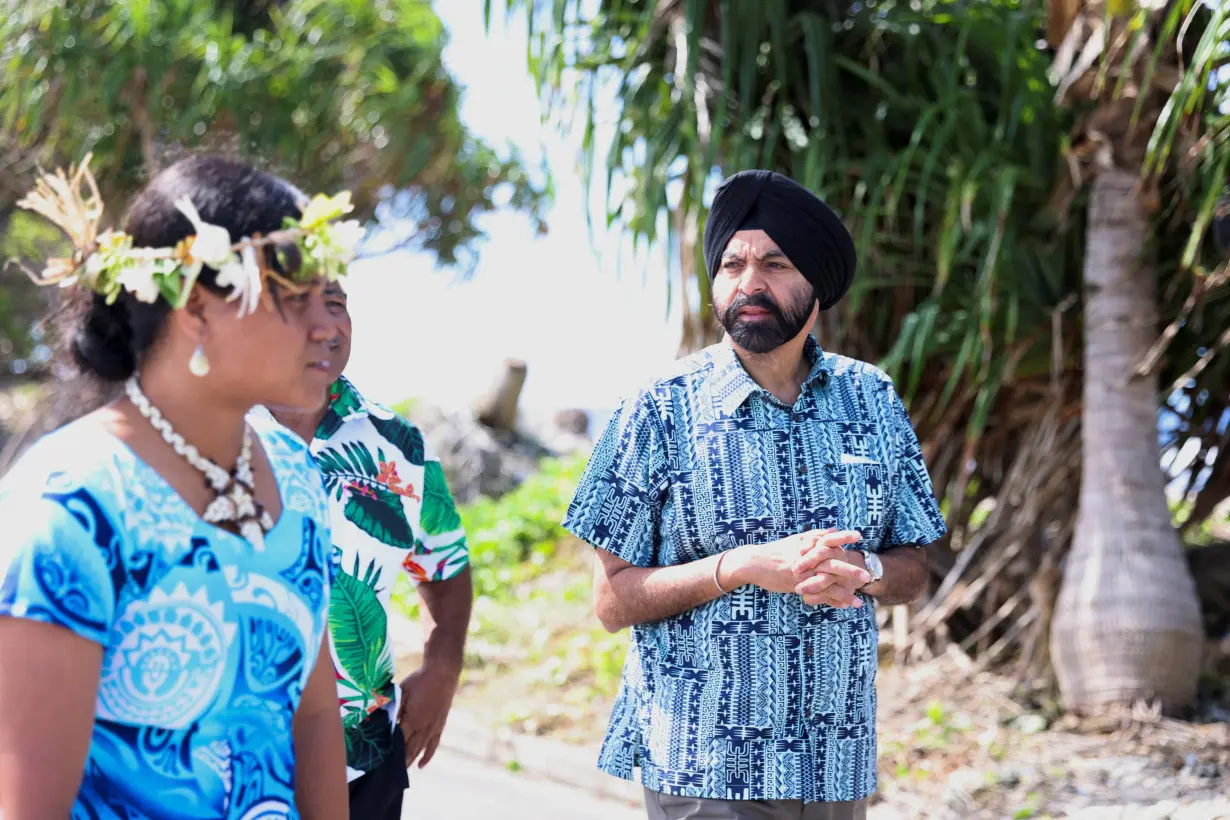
point(361, 489)
point(388, 477)
point(415, 569)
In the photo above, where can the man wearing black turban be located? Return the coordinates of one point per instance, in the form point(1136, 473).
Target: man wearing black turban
point(748, 508)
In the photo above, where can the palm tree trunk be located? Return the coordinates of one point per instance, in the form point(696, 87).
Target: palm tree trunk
point(1127, 625)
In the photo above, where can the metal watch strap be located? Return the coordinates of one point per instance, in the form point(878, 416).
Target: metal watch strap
point(876, 571)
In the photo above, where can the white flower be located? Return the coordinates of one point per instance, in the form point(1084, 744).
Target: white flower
point(138, 279)
point(94, 266)
point(212, 244)
point(242, 275)
point(346, 237)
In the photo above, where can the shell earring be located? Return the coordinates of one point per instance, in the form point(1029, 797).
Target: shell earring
point(198, 365)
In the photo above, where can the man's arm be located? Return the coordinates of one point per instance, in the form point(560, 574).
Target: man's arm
point(427, 693)
point(905, 575)
point(625, 594)
point(320, 752)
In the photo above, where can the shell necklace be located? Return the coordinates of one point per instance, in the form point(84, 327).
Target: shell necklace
point(235, 495)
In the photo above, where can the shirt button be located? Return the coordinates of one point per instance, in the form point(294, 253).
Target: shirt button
point(803, 470)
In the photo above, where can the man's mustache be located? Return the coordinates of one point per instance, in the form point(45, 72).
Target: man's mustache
point(756, 300)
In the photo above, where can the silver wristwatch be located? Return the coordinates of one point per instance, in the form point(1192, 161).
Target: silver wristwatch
point(874, 566)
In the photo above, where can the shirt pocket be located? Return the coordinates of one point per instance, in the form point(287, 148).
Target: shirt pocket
point(860, 494)
point(673, 738)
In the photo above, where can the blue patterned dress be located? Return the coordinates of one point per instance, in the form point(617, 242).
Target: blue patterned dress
point(208, 642)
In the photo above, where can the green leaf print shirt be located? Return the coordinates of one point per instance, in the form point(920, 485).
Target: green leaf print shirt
point(391, 512)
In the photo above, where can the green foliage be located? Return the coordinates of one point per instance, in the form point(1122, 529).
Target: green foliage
point(929, 126)
point(513, 539)
point(932, 128)
point(406, 408)
point(23, 236)
point(332, 94)
point(533, 599)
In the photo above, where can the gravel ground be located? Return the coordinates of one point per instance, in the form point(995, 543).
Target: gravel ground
point(955, 747)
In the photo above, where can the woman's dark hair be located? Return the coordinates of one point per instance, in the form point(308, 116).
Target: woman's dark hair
point(108, 341)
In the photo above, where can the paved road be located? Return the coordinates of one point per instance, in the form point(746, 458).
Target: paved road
point(454, 787)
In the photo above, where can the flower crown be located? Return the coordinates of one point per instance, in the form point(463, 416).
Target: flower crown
point(107, 262)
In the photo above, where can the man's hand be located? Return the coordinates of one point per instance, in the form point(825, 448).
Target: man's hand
point(426, 696)
point(827, 574)
point(771, 565)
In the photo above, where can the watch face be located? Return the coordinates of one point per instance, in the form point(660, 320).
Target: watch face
point(874, 566)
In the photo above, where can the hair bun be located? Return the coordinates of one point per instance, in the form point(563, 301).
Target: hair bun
point(103, 343)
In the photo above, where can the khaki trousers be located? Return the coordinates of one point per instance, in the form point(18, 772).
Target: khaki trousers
point(671, 807)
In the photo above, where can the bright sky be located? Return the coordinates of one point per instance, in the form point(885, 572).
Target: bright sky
point(589, 331)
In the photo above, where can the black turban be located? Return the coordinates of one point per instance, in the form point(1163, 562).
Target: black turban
point(807, 231)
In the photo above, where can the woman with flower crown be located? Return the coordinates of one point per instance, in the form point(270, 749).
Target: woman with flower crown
point(164, 570)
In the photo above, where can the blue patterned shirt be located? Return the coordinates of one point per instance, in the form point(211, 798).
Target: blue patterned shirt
point(754, 695)
point(207, 641)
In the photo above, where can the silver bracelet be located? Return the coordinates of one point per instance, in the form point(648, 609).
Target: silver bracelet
point(716, 569)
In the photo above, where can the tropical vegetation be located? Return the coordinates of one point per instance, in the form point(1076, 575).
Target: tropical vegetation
point(537, 659)
point(1031, 185)
point(332, 94)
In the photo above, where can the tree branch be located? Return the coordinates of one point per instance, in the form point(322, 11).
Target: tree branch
point(140, 117)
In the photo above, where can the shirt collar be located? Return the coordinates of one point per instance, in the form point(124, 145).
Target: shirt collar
point(345, 404)
point(733, 386)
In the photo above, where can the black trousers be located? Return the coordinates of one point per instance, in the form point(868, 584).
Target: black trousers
point(377, 795)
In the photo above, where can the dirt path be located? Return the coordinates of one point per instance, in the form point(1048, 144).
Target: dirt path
point(455, 787)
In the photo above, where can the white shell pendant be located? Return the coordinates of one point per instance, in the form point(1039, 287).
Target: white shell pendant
point(235, 498)
point(253, 533)
point(198, 365)
point(220, 510)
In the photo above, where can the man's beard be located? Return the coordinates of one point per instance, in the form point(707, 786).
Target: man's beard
point(768, 333)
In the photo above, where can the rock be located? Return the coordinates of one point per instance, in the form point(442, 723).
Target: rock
point(962, 786)
point(481, 461)
point(1009, 777)
point(1201, 769)
point(1030, 724)
point(573, 421)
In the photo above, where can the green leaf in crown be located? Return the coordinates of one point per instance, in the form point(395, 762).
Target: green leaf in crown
point(359, 627)
point(439, 511)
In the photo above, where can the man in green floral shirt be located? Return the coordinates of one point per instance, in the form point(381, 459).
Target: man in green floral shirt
point(392, 512)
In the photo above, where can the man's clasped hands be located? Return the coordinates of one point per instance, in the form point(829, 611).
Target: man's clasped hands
point(813, 564)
